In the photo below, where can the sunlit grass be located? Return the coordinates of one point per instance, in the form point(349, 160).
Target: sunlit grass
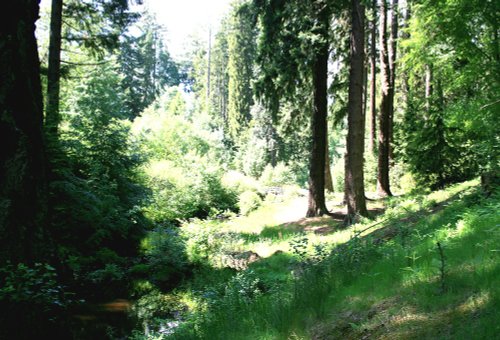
point(395, 278)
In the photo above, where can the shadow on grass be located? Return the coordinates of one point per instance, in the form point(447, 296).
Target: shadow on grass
point(275, 269)
point(467, 309)
point(352, 275)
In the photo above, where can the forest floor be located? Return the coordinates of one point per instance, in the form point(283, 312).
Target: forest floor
point(383, 278)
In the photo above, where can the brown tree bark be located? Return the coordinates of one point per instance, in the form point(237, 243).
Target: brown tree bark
point(392, 46)
point(316, 205)
point(22, 155)
point(383, 187)
point(355, 192)
point(52, 116)
point(373, 80)
point(365, 82)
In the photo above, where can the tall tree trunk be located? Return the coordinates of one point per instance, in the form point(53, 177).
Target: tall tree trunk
point(316, 205)
point(52, 116)
point(383, 187)
point(365, 83)
point(373, 79)
point(22, 155)
point(328, 171)
point(355, 191)
point(392, 66)
point(440, 129)
point(404, 76)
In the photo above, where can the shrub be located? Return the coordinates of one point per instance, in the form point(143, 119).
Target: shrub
point(206, 245)
point(277, 176)
point(33, 301)
point(155, 305)
point(248, 202)
point(238, 182)
point(165, 260)
point(338, 173)
point(370, 175)
point(186, 192)
point(401, 179)
point(185, 166)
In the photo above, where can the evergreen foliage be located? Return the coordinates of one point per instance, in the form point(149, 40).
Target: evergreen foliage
point(165, 196)
point(456, 137)
point(146, 65)
point(94, 197)
point(241, 52)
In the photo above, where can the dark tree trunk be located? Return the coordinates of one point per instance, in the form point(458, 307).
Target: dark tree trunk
point(392, 66)
point(365, 82)
point(373, 80)
point(383, 187)
point(52, 117)
point(355, 191)
point(317, 206)
point(22, 157)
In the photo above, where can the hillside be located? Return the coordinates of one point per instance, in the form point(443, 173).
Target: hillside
point(381, 279)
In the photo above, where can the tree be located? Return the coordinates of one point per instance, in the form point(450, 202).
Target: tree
point(373, 78)
point(220, 83)
point(392, 51)
point(449, 132)
point(317, 205)
point(241, 52)
point(22, 156)
point(146, 65)
point(95, 25)
point(383, 187)
point(355, 192)
point(95, 221)
point(52, 117)
point(293, 59)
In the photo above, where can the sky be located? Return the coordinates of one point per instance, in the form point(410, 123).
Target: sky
point(185, 18)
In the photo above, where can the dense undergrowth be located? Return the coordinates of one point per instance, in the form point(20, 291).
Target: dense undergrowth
point(382, 278)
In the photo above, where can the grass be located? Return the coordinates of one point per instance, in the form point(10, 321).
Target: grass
point(403, 290)
point(378, 279)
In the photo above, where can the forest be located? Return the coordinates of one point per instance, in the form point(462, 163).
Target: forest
point(305, 169)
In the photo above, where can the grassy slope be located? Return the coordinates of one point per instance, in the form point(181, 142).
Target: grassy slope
point(403, 295)
point(386, 283)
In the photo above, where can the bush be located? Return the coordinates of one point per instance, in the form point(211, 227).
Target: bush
point(238, 182)
point(401, 179)
point(338, 173)
point(279, 175)
point(184, 170)
point(248, 202)
point(165, 260)
point(206, 245)
point(33, 302)
point(94, 196)
point(186, 192)
point(153, 308)
point(370, 175)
